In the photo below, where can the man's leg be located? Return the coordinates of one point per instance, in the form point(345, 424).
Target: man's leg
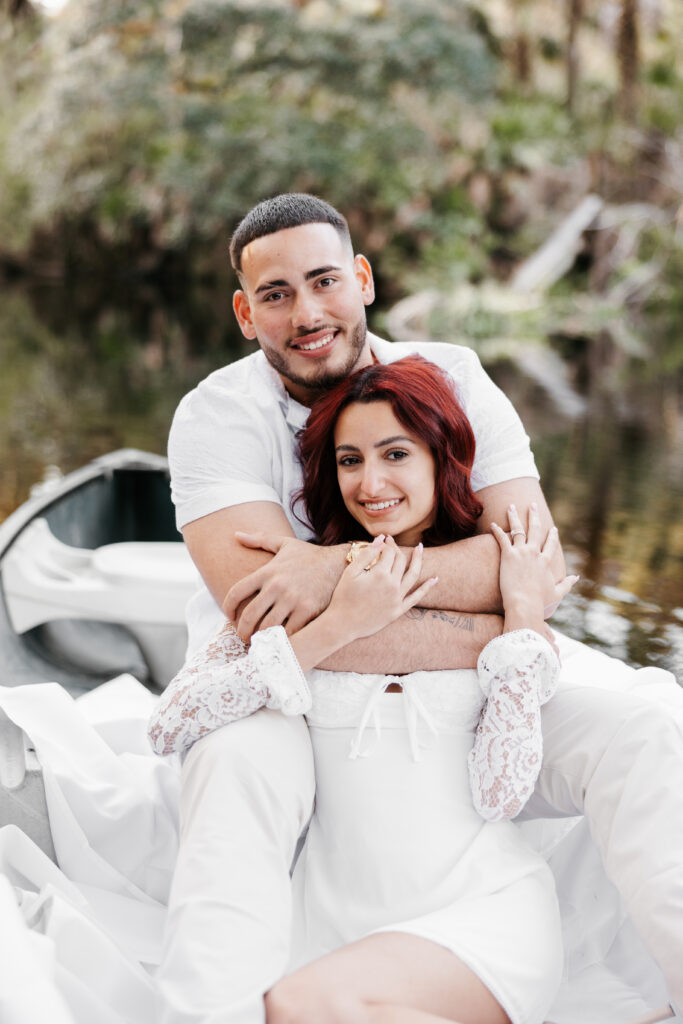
point(247, 793)
point(617, 756)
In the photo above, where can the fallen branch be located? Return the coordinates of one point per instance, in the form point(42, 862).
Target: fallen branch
point(557, 254)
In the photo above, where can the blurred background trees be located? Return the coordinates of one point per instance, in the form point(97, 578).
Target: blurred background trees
point(143, 130)
point(135, 134)
point(513, 169)
point(456, 136)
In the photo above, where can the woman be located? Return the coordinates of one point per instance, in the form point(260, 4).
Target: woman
point(407, 905)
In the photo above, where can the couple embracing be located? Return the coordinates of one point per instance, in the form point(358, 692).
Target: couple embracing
point(362, 513)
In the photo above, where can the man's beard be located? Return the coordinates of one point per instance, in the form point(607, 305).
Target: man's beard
point(323, 379)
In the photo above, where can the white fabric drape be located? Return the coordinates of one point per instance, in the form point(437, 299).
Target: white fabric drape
point(79, 943)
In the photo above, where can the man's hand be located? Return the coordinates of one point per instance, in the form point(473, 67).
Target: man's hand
point(290, 590)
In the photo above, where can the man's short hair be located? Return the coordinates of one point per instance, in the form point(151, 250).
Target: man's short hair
point(288, 210)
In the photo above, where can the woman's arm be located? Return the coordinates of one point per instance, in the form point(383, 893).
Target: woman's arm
point(518, 673)
point(226, 681)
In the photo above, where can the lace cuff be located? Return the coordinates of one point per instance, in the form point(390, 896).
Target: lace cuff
point(516, 652)
point(223, 683)
point(518, 672)
point(279, 668)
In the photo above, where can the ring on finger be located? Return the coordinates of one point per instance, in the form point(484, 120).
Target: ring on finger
point(515, 533)
point(367, 568)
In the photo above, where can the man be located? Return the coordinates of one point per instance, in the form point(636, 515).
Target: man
point(248, 789)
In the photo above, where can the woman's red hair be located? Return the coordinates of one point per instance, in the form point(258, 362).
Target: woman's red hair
point(423, 400)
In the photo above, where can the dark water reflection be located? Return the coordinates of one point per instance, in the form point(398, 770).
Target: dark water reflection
point(614, 481)
point(88, 372)
point(83, 373)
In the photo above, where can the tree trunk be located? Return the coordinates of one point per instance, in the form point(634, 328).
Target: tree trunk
point(628, 58)
point(17, 8)
point(574, 15)
point(522, 45)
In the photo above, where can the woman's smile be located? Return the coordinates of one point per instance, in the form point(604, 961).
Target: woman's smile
point(386, 473)
point(379, 506)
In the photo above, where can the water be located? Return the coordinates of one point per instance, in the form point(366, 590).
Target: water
point(86, 372)
point(614, 481)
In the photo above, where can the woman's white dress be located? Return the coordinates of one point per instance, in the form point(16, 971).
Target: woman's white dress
point(395, 842)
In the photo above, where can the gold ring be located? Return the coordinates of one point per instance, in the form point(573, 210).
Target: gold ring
point(356, 547)
point(367, 568)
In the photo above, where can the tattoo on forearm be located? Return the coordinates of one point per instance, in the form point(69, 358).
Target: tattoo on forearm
point(465, 622)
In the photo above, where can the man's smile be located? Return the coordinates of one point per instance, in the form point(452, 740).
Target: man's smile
point(315, 341)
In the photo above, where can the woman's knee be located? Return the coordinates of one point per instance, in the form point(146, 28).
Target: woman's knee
point(295, 1000)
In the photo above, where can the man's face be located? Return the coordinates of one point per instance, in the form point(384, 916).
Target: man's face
point(303, 299)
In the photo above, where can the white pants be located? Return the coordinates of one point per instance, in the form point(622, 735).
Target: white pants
point(613, 750)
point(247, 794)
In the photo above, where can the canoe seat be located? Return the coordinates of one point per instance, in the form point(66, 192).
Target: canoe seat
point(142, 585)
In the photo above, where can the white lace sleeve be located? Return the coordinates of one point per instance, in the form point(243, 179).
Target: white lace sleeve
point(518, 672)
point(223, 682)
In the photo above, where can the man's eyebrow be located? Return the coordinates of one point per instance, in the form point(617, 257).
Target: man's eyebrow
point(270, 284)
point(380, 444)
point(307, 277)
point(320, 270)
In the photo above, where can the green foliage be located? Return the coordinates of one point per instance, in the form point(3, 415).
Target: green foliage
point(662, 73)
point(525, 132)
point(137, 133)
point(20, 81)
point(179, 117)
point(664, 308)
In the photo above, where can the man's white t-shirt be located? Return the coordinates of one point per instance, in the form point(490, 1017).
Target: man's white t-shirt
point(233, 440)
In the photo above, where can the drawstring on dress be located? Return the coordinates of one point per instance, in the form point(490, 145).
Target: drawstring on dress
point(413, 709)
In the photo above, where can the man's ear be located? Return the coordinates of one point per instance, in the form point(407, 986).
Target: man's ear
point(363, 272)
point(240, 304)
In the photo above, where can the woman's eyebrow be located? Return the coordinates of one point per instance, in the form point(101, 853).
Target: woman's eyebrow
point(393, 440)
point(380, 444)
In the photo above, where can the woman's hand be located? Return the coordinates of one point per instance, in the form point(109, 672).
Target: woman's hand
point(526, 578)
point(290, 590)
point(376, 588)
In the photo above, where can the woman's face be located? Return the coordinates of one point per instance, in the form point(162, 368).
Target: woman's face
point(386, 474)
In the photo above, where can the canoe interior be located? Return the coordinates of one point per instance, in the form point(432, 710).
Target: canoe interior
point(122, 504)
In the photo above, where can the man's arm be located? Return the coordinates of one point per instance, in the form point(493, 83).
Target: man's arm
point(221, 560)
point(419, 640)
point(294, 587)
